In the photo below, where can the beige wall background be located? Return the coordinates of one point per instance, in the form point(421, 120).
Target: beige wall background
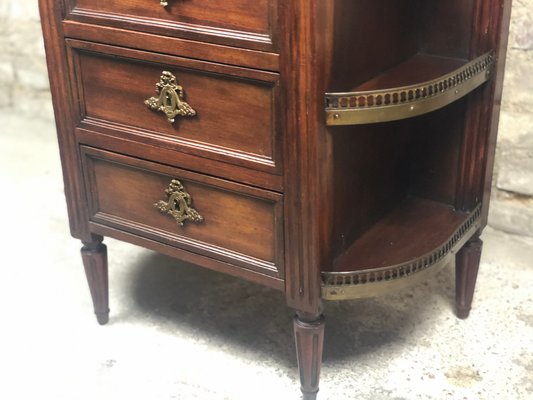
point(24, 89)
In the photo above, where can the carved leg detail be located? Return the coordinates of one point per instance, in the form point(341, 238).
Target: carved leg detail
point(466, 269)
point(94, 256)
point(309, 336)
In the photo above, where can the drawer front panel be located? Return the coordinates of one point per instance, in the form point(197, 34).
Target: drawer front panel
point(235, 109)
point(246, 23)
point(230, 222)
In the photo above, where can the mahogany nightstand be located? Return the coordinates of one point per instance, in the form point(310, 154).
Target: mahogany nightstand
point(328, 149)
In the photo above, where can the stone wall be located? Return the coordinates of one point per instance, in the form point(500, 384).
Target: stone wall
point(512, 203)
point(23, 78)
point(24, 88)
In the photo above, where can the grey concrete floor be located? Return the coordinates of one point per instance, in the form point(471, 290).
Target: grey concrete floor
point(181, 332)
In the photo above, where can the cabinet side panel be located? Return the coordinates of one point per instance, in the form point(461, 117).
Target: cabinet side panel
point(371, 175)
point(51, 16)
point(490, 33)
point(436, 149)
point(448, 27)
point(371, 36)
point(498, 15)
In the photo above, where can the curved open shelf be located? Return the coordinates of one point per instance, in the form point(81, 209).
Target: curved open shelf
point(422, 84)
point(416, 238)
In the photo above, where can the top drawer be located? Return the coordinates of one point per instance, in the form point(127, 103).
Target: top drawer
point(244, 23)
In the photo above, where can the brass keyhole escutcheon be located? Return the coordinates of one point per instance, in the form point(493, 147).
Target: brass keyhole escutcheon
point(170, 98)
point(178, 204)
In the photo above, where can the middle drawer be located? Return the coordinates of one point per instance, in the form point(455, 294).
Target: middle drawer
point(221, 112)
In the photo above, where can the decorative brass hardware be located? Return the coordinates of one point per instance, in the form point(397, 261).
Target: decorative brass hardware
point(178, 204)
point(163, 3)
point(170, 98)
point(393, 104)
point(376, 281)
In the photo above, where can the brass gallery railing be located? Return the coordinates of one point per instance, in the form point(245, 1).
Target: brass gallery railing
point(391, 104)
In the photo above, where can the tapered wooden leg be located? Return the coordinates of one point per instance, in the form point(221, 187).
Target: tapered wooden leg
point(94, 256)
point(466, 269)
point(309, 336)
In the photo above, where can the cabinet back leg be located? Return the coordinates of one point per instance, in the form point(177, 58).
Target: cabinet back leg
point(94, 256)
point(309, 336)
point(466, 270)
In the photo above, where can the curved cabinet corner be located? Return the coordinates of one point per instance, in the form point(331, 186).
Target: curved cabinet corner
point(366, 270)
point(409, 89)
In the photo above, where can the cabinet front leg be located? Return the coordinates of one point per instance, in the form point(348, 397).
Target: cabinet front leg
point(309, 336)
point(94, 256)
point(466, 270)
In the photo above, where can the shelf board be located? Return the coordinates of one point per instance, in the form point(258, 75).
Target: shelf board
point(421, 84)
point(419, 68)
point(413, 228)
point(416, 235)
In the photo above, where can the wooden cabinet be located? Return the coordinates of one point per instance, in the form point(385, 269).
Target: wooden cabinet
point(329, 149)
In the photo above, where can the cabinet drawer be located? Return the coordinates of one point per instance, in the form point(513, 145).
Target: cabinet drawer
point(244, 23)
point(235, 109)
point(230, 222)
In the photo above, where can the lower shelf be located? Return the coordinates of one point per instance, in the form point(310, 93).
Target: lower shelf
point(417, 237)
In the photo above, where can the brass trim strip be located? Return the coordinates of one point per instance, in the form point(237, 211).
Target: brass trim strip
point(376, 281)
point(354, 108)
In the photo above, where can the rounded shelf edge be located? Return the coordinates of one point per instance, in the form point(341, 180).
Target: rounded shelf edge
point(373, 282)
point(392, 104)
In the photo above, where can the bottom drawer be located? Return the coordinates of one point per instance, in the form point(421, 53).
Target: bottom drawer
point(212, 217)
